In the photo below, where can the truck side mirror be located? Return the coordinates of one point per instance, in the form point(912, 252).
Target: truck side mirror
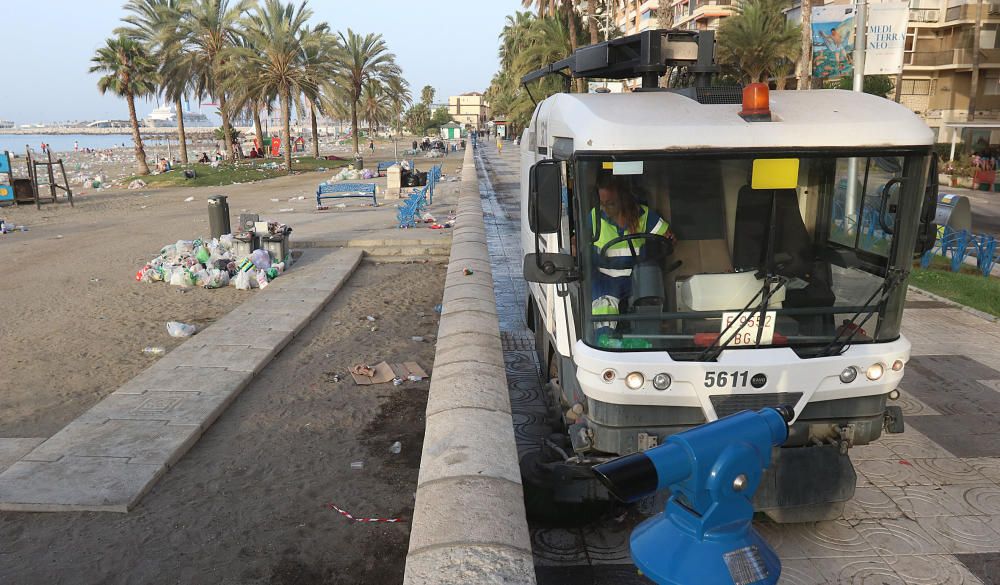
point(927, 231)
point(547, 268)
point(545, 197)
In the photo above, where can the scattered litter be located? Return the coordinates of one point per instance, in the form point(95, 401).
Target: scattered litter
point(438, 308)
point(397, 381)
point(467, 272)
point(58, 237)
point(374, 328)
point(370, 317)
point(370, 520)
point(322, 208)
point(396, 448)
point(137, 184)
point(383, 372)
point(274, 200)
point(178, 329)
point(153, 350)
point(414, 377)
point(340, 205)
point(417, 338)
point(286, 209)
point(357, 465)
point(189, 199)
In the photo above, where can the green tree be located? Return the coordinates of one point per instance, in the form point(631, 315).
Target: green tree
point(376, 106)
point(208, 28)
point(130, 72)
point(880, 85)
point(427, 95)
point(277, 64)
point(758, 39)
point(362, 58)
point(319, 50)
point(155, 24)
point(417, 118)
point(399, 98)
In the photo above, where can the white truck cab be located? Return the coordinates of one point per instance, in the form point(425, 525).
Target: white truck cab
point(692, 260)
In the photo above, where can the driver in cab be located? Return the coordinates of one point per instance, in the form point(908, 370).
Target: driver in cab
point(618, 214)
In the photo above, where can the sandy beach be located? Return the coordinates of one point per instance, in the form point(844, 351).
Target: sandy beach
point(248, 503)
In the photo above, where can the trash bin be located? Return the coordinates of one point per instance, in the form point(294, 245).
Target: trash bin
point(218, 216)
point(359, 161)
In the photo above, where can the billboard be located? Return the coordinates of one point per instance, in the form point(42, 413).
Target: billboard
point(833, 33)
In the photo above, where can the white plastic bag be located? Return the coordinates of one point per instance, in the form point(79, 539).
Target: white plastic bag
point(217, 279)
point(181, 277)
point(201, 278)
point(242, 280)
point(261, 259)
point(226, 241)
point(178, 329)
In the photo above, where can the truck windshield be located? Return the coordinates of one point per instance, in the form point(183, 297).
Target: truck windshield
point(675, 250)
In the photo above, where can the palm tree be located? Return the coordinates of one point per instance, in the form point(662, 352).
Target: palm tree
point(427, 95)
point(130, 73)
point(276, 64)
point(209, 27)
point(376, 105)
point(399, 98)
point(361, 59)
point(592, 21)
point(319, 49)
point(804, 73)
point(155, 24)
point(758, 39)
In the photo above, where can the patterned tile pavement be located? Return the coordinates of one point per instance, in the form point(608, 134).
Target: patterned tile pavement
point(927, 506)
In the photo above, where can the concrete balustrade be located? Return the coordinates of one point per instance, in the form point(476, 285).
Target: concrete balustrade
point(469, 523)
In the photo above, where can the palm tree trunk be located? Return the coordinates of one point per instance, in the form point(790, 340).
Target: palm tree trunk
point(354, 124)
point(805, 61)
point(181, 136)
point(592, 21)
point(571, 26)
point(286, 115)
point(315, 129)
point(261, 147)
point(227, 129)
point(140, 152)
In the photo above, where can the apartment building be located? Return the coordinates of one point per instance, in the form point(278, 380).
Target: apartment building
point(469, 109)
point(624, 14)
point(938, 68)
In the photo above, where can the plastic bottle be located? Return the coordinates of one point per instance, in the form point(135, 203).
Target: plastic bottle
point(151, 350)
point(396, 448)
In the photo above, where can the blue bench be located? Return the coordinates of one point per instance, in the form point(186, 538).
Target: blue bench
point(433, 176)
point(340, 190)
point(408, 210)
point(384, 165)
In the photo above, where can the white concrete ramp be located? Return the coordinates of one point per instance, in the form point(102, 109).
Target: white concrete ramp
point(111, 455)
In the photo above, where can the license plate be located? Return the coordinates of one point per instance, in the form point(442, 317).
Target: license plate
point(752, 325)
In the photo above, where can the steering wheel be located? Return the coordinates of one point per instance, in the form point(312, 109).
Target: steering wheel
point(665, 245)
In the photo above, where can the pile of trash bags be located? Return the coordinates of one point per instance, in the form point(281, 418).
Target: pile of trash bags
point(350, 174)
point(211, 264)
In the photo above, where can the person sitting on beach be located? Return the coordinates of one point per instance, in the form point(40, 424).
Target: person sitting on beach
point(253, 152)
point(204, 158)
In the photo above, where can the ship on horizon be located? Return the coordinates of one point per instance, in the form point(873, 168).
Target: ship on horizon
point(166, 117)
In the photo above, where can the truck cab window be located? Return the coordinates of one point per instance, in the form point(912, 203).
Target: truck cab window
point(675, 247)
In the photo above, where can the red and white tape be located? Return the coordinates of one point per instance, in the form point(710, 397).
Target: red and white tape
point(347, 515)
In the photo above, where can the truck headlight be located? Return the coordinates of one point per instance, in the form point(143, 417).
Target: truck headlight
point(849, 374)
point(634, 380)
point(874, 372)
point(897, 365)
point(661, 381)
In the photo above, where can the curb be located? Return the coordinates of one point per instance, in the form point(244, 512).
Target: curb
point(981, 314)
point(469, 523)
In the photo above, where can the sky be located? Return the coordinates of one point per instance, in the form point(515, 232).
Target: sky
point(47, 45)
